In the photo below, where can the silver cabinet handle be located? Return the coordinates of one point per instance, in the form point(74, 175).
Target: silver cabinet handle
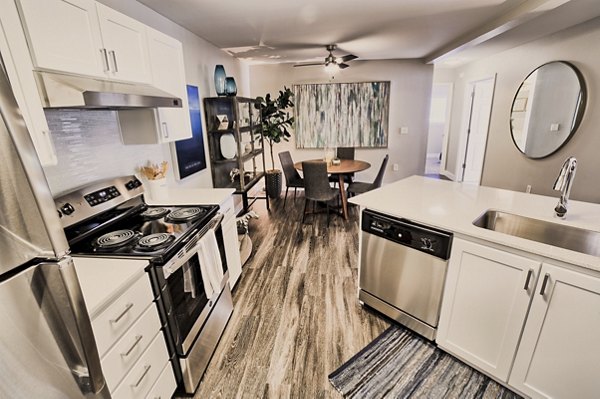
point(529, 274)
point(546, 278)
point(105, 57)
point(139, 381)
point(113, 55)
point(165, 129)
point(138, 338)
point(123, 313)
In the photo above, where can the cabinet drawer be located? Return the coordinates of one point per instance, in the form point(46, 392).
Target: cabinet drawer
point(119, 316)
point(123, 355)
point(165, 385)
point(145, 372)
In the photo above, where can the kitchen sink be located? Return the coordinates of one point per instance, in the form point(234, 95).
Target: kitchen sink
point(558, 235)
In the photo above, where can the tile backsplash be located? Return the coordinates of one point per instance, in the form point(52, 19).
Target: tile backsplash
point(89, 148)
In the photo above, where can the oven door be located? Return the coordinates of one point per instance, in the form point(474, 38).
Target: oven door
point(183, 294)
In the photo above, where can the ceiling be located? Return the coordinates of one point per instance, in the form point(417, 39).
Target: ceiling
point(454, 31)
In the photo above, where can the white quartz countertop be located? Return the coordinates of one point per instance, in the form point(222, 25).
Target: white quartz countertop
point(453, 206)
point(192, 196)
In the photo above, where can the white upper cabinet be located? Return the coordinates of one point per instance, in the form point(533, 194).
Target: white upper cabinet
point(87, 38)
point(17, 62)
point(124, 40)
point(168, 74)
point(559, 352)
point(64, 35)
point(486, 298)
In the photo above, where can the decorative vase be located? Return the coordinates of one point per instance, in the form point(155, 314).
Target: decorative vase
point(230, 86)
point(157, 189)
point(273, 183)
point(220, 80)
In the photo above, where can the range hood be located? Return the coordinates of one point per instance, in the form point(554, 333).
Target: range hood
point(69, 91)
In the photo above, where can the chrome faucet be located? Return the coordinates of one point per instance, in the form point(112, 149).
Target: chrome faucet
point(563, 183)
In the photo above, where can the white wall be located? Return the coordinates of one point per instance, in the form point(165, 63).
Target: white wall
point(200, 59)
point(409, 107)
point(505, 166)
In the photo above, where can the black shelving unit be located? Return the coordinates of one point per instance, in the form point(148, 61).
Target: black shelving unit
point(247, 167)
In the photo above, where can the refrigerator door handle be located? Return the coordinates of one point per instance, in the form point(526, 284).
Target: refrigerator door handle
point(64, 308)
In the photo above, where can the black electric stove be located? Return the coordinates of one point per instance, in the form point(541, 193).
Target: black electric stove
point(121, 224)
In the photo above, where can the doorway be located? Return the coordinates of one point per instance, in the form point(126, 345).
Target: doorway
point(439, 126)
point(476, 122)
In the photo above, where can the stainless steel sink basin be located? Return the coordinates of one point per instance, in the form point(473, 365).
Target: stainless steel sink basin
point(573, 238)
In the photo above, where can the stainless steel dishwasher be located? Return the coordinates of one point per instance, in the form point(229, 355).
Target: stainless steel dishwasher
point(403, 269)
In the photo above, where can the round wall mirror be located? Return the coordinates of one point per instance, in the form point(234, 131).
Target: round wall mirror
point(547, 109)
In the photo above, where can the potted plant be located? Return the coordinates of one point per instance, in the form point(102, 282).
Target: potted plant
point(276, 122)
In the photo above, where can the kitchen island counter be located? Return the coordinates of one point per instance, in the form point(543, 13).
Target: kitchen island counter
point(453, 206)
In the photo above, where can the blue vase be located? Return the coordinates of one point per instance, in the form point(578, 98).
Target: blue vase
point(230, 86)
point(220, 80)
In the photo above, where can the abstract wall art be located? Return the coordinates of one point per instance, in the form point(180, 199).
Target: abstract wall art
point(342, 114)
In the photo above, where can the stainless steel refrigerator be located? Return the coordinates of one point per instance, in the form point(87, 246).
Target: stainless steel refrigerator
point(47, 347)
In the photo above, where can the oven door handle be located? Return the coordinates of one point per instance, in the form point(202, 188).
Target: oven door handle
point(176, 264)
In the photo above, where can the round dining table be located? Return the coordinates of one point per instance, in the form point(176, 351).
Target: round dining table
point(345, 166)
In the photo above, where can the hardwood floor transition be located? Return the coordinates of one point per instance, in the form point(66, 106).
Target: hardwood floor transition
point(296, 316)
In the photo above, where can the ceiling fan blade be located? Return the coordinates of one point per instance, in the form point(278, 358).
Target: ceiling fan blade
point(343, 66)
point(347, 58)
point(314, 64)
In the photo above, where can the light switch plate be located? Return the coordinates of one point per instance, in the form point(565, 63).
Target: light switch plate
point(404, 130)
point(395, 167)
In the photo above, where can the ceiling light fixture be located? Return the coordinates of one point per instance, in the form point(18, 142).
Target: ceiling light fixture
point(332, 67)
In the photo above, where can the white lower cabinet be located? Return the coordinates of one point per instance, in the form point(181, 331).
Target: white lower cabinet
point(530, 324)
point(486, 298)
point(126, 324)
point(164, 386)
point(559, 355)
point(145, 372)
point(230, 238)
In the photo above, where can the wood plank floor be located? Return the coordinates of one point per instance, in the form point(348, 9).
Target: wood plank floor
point(296, 316)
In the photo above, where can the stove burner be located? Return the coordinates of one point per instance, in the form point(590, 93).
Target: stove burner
point(185, 215)
point(155, 241)
point(155, 213)
point(115, 239)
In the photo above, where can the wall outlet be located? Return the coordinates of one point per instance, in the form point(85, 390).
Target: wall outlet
point(528, 189)
point(554, 127)
point(395, 167)
point(404, 130)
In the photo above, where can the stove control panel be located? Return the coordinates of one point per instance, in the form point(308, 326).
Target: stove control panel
point(101, 196)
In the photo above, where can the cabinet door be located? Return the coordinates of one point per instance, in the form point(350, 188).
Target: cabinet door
point(125, 41)
point(559, 355)
point(485, 303)
point(230, 237)
point(168, 74)
point(17, 62)
point(64, 35)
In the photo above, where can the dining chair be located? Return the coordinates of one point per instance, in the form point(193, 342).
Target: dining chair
point(316, 186)
point(358, 187)
point(343, 153)
point(292, 177)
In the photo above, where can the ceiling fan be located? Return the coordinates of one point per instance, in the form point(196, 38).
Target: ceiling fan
point(331, 60)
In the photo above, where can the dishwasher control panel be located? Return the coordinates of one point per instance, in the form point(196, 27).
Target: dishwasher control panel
point(422, 238)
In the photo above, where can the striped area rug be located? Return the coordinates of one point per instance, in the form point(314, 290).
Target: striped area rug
point(401, 364)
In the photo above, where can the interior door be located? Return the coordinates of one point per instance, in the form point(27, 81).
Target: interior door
point(482, 94)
